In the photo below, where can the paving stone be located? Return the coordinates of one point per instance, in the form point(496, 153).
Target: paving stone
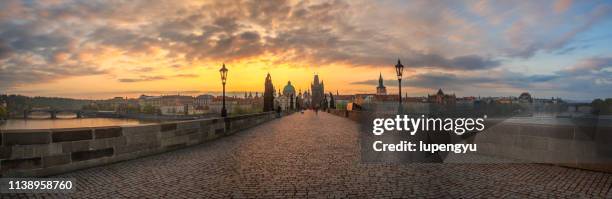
point(318, 156)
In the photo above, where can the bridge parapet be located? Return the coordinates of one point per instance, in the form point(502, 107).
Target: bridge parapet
point(572, 142)
point(45, 152)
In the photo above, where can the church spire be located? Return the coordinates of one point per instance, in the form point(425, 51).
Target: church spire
point(380, 81)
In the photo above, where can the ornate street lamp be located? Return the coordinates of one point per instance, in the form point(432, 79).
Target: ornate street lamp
point(223, 72)
point(399, 68)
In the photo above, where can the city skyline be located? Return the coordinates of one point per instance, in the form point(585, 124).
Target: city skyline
point(98, 50)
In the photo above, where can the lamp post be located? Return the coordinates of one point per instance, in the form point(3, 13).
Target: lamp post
point(223, 72)
point(399, 68)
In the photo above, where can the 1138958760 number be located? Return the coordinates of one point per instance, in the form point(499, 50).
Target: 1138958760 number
point(36, 185)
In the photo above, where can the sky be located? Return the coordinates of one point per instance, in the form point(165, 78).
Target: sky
point(102, 49)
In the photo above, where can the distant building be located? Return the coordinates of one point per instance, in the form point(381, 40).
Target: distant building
point(363, 98)
point(372, 98)
point(414, 99)
point(203, 100)
point(466, 100)
point(525, 98)
point(318, 92)
point(343, 100)
point(3, 110)
point(505, 100)
point(287, 100)
point(186, 109)
point(145, 100)
point(441, 98)
point(118, 104)
point(306, 99)
point(552, 100)
point(381, 89)
point(171, 100)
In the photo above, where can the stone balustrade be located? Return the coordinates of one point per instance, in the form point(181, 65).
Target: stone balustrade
point(44, 152)
point(564, 142)
point(571, 145)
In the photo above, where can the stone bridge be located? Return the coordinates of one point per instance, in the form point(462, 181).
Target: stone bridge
point(52, 112)
point(299, 156)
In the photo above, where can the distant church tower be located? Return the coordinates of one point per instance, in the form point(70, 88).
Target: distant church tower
point(318, 92)
point(381, 89)
point(268, 94)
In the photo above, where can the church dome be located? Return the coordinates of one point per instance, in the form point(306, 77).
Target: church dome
point(289, 89)
point(525, 97)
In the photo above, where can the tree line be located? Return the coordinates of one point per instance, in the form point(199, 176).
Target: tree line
point(16, 104)
point(602, 107)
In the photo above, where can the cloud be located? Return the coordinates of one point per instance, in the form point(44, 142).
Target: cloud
point(23, 72)
point(145, 69)
point(145, 78)
point(562, 5)
point(468, 62)
point(186, 75)
point(42, 41)
point(31, 53)
point(550, 33)
point(588, 78)
point(141, 79)
point(5, 51)
point(592, 64)
point(434, 80)
point(316, 32)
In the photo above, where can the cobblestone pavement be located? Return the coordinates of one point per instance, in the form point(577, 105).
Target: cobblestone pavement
point(308, 155)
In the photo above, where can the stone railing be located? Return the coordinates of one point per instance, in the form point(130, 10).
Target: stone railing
point(44, 152)
point(353, 115)
point(571, 145)
point(566, 142)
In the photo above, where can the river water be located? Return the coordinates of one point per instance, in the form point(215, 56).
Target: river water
point(66, 123)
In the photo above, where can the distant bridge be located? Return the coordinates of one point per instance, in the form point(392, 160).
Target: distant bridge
point(53, 112)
